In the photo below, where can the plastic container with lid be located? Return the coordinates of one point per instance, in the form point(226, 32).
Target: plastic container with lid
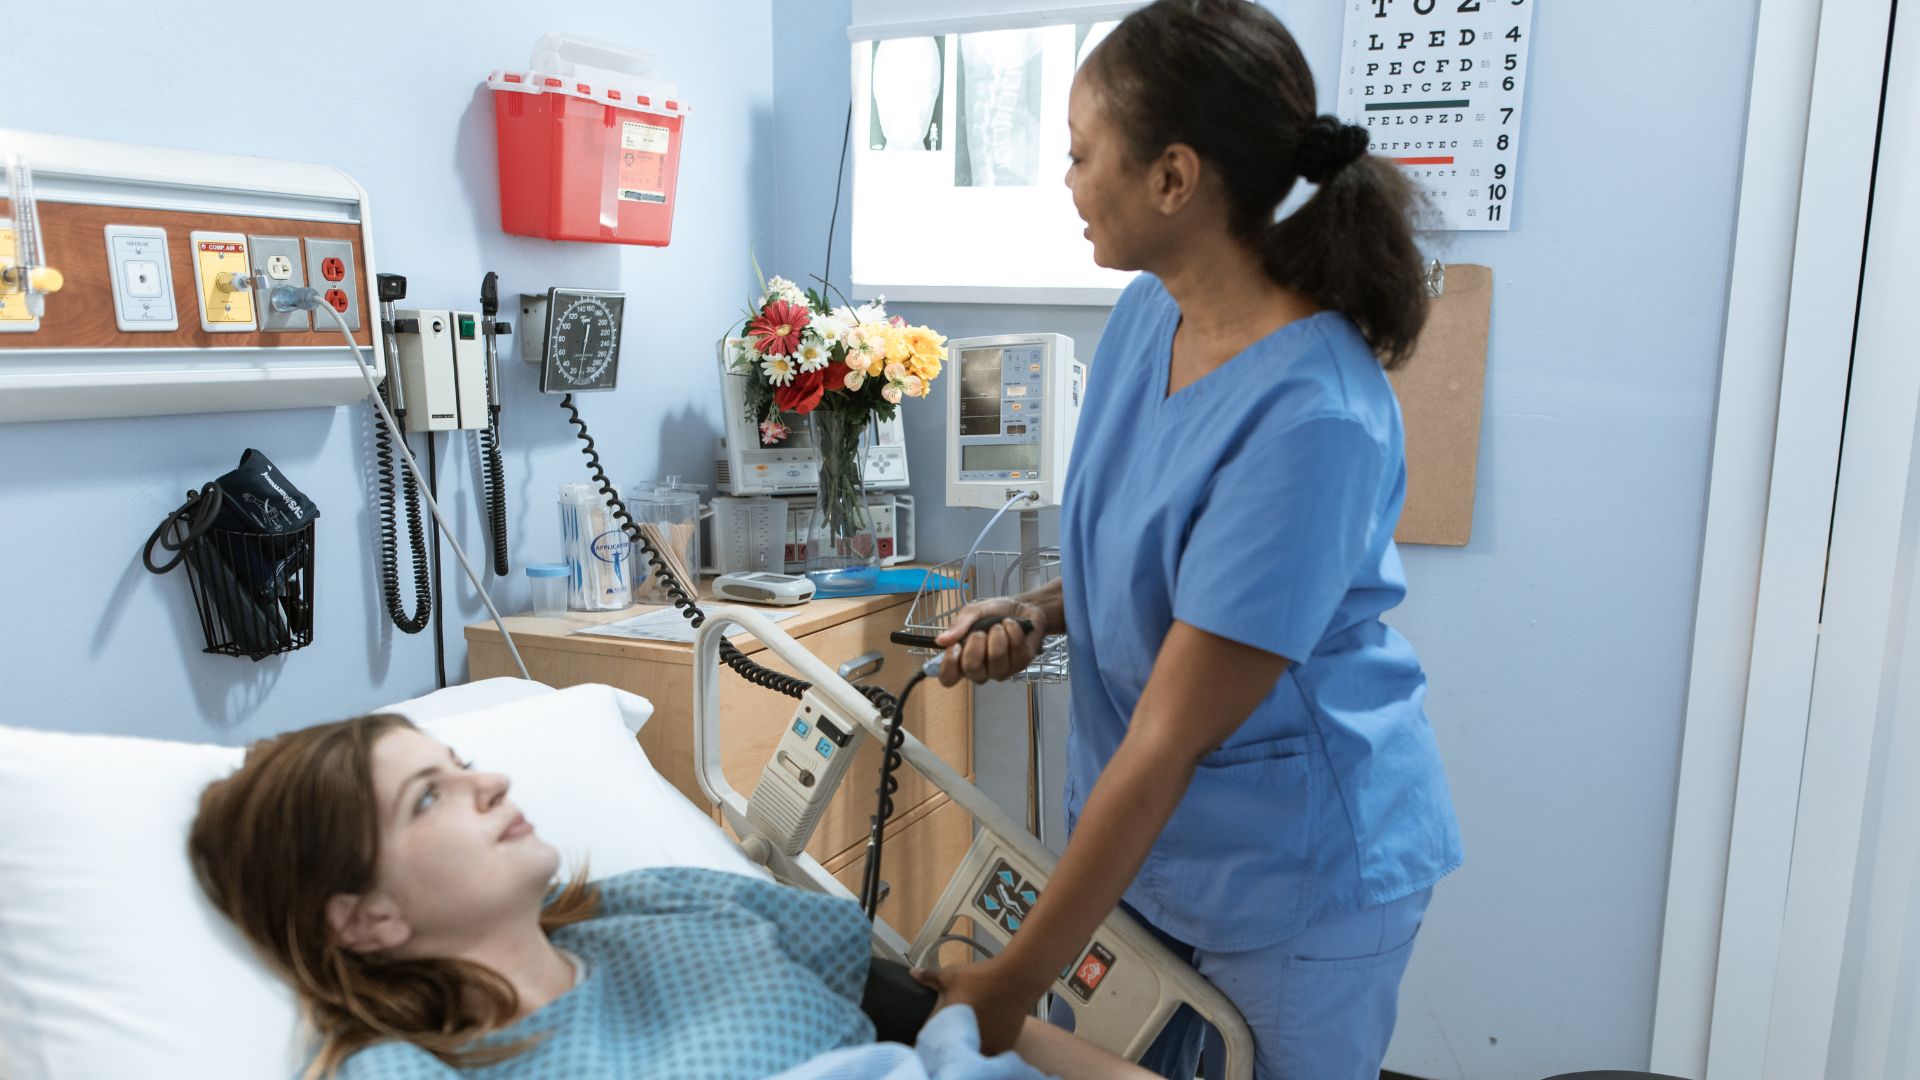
point(588, 143)
point(549, 584)
point(668, 513)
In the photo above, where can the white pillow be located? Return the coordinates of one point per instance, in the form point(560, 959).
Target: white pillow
point(114, 965)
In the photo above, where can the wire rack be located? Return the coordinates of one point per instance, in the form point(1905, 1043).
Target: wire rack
point(953, 585)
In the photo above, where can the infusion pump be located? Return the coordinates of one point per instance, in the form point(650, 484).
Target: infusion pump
point(745, 467)
point(1011, 418)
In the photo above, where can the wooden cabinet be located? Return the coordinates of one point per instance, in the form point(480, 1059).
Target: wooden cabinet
point(928, 834)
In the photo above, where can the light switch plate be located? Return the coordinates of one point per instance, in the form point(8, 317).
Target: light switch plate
point(142, 278)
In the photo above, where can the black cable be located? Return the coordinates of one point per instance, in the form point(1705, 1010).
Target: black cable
point(883, 810)
point(732, 657)
point(389, 530)
point(492, 476)
point(193, 518)
point(433, 561)
point(890, 710)
point(494, 485)
point(896, 738)
point(839, 177)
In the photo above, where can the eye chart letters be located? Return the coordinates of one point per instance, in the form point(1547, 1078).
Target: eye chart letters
point(1438, 85)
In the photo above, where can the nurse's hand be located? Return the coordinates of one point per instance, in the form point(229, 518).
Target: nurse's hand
point(1000, 1000)
point(997, 652)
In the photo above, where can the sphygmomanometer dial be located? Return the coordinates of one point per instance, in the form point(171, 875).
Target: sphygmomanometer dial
point(583, 340)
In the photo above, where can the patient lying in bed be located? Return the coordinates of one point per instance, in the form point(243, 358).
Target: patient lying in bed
point(413, 909)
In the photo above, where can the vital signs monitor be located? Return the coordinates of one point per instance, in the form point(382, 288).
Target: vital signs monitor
point(1011, 418)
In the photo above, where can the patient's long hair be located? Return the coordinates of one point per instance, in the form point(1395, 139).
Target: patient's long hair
point(298, 823)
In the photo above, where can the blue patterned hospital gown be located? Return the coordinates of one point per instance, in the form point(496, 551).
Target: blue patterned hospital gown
point(691, 974)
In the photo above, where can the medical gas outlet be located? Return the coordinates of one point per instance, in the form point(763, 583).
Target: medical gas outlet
point(222, 279)
point(443, 368)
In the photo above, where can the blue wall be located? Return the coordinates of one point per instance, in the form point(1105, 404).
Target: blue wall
point(1557, 642)
point(392, 96)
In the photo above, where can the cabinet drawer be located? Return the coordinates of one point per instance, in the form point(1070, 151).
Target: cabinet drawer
point(922, 852)
point(752, 719)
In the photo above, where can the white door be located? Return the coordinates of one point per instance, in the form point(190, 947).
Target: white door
point(1812, 955)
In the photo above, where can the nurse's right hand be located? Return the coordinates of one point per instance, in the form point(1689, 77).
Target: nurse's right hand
point(998, 652)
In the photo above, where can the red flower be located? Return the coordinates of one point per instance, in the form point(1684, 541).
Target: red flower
point(777, 331)
point(803, 394)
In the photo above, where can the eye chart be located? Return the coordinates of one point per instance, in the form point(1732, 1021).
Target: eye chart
point(1438, 85)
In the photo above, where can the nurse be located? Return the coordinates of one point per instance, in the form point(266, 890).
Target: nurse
point(1250, 766)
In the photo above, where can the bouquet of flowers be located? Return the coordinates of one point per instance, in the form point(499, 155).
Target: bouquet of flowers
point(839, 368)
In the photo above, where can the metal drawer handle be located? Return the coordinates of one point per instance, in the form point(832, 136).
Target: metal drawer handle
point(862, 666)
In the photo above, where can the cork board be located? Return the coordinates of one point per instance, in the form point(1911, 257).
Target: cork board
point(1441, 388)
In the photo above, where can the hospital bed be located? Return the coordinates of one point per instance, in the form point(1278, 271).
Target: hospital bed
point(112, 964)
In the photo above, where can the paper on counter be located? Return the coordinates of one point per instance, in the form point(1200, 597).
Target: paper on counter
point(666, 624)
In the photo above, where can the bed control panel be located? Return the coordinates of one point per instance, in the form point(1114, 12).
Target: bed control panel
point(804, 772)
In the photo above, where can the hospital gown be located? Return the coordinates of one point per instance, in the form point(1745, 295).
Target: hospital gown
point(691, 974)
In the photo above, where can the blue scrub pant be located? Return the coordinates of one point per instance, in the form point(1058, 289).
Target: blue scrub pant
point(1321, 1004)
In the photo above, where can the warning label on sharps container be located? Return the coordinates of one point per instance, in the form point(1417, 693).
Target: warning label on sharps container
point(643, 161)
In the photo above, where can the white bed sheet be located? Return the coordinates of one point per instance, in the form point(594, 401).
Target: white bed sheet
point(112, 963)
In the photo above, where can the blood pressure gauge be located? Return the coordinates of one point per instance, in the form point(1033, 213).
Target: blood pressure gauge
point(574, 336)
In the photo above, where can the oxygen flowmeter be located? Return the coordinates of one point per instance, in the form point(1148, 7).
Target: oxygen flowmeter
point(25, 279)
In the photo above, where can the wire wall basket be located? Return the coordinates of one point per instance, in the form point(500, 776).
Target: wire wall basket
point(953, 585)
point(253, 591)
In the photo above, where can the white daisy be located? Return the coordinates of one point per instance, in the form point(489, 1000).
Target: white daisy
point(779, 369)
point(812, 354)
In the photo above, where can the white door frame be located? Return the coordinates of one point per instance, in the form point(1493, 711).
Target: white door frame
point(1869, 514)
point(1799, 249)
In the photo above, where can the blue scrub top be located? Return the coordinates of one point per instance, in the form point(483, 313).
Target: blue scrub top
point(1258, 504)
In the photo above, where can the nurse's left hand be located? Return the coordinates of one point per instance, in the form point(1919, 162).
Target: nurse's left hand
point(1001, 1004)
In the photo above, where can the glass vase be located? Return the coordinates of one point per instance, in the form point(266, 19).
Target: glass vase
point(842, 551)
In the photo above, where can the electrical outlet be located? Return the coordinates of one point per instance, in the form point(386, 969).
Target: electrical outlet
point(280, 257)
point(330, 270)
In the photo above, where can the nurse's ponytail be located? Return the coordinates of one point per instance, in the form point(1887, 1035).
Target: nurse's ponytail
point(1226, 78)
point(1350, 249)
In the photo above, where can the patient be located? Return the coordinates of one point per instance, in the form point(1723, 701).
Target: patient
point(415, 912)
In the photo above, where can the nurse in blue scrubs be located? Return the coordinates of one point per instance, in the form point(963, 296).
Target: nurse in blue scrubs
point(1250, 766)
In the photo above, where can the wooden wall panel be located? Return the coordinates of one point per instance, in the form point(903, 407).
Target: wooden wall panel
point(80, 315)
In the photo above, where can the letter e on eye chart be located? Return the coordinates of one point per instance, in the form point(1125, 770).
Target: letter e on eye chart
point(1438, 84)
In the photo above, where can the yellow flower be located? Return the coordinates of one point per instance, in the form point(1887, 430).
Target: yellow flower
point(899, 345)
point(926, 343)
point(926, 367)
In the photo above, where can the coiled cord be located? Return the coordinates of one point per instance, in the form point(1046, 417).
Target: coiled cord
point(676, 590)
point(896, 738)
point(494, 484)
point(890, 710)
point(383, 437)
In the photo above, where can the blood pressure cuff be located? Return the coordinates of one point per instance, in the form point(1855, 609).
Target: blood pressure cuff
point(259, 499)
point(896, 1002)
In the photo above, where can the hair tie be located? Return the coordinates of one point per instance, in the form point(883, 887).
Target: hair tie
point(1327, 147)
